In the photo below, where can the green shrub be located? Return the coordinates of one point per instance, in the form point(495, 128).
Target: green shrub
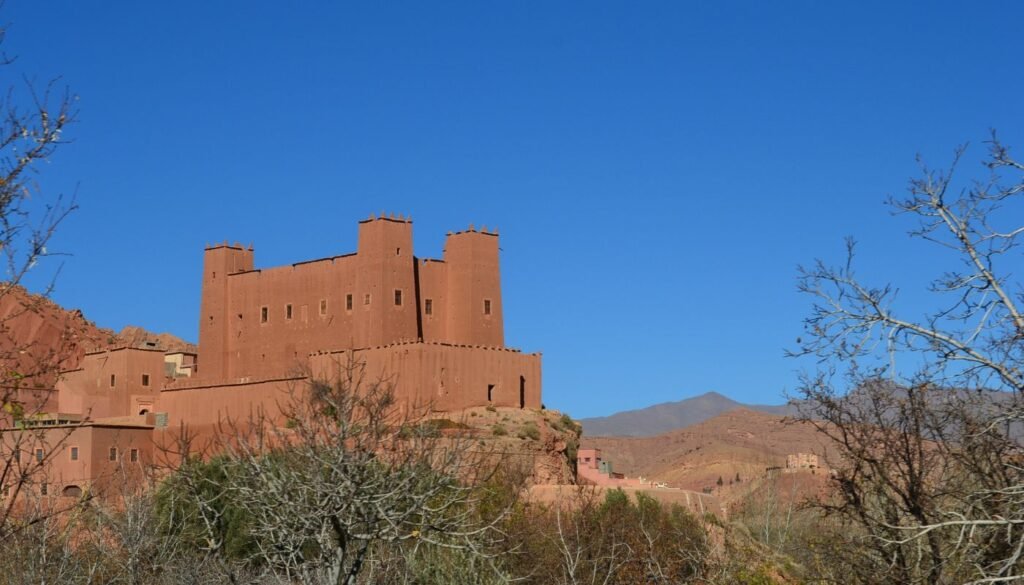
point(572, 447)
point(529, 431)
point(570, 424)
point(499, 430)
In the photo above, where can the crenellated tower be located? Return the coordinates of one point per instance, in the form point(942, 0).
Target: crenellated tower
point(474, 311)
point(385, 284)
point(219, 261)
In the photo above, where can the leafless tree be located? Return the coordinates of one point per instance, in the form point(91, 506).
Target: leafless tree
point(33, 120)
point(926, 412)
point(596, 537)
point(344, 476)
point(44, 551)
point(591, 551)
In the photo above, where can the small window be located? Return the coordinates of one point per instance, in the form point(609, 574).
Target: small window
point(487, 306)
point(323, 307)
point(348, 302)
point(398, 297)
point(398, 251)
point(288, 312)
point(145, 379)
point(366, 299)
point(133, 455)
point(74, 453)
point(428, 307)
point(113, 454)
point(112, 379)
point(43, 489)
point(39, 455)
point(264, 314)
point(17, 456)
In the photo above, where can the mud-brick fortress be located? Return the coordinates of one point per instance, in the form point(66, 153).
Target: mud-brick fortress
point(433, 327)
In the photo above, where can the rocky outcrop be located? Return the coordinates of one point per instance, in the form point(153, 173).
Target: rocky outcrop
point(541, 444)
point(39, 338)
point(134, 336)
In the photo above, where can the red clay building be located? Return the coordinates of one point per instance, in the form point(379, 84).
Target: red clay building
point(432, 326)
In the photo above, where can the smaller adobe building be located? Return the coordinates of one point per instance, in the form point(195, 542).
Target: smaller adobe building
point(433, 328)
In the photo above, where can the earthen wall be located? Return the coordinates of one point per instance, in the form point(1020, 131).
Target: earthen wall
point(263, 323)
point(111, 383)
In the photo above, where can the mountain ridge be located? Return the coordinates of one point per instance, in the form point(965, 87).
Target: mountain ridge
point(668, 416)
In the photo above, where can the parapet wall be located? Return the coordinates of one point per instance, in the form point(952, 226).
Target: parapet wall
point(202, 407)
point(437, 376)
point(446, 377)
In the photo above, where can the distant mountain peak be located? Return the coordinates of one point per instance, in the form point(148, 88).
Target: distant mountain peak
point(714, 393)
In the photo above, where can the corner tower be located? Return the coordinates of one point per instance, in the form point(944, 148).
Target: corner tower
point(219, 261)
point(474, 289)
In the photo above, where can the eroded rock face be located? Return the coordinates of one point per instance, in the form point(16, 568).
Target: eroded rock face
point(539, 443)
point(133, 336)
point(37, 335)
point(39, 339)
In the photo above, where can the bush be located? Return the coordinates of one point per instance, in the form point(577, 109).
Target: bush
point(608, 538)
point(572, 447)
point(570, 424)
point(529, 431)
point(499, 430)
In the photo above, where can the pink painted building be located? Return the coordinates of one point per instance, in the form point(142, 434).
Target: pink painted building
point(592, 468)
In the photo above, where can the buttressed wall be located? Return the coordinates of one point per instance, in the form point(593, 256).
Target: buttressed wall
point(259, 324)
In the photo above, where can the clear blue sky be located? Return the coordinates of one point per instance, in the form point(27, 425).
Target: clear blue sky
point(657, 170)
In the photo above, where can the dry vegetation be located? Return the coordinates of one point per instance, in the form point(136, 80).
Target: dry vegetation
point(928, 484)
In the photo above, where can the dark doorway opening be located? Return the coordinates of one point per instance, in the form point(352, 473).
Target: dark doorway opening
point(490, 392)
point(522, 392)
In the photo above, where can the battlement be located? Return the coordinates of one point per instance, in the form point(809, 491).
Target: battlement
point(409, 342)
point(383, 217)
point(236, 246)
point(483, 231)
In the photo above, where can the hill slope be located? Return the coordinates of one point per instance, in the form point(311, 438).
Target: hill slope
point(39, 338)
point(741, 441)
point(669, 416)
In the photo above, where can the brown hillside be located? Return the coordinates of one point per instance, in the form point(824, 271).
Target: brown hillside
point(133, 336)
point(39, 338)
point(739, 441)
